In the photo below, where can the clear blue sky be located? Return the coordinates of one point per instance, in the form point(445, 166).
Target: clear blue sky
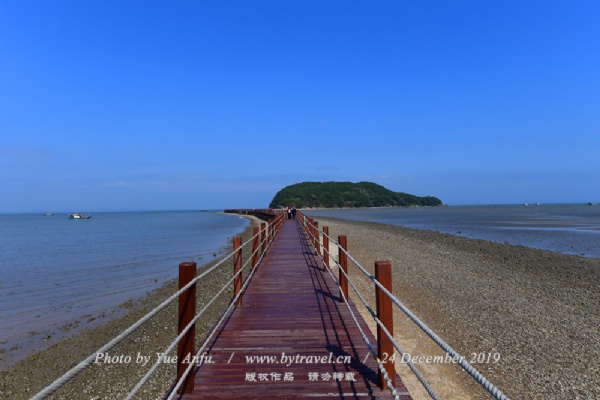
point(130, 105)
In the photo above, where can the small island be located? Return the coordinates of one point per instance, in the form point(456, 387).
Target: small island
point(346, 195)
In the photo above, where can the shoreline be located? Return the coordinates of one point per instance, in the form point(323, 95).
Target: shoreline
point(28, 376)
point(536, 310)
point(566, 228)
point(480, 297)
point(56, 296)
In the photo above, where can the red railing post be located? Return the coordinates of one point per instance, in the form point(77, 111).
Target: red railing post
point(311, 230)
point(385, 348)
point(269, 232)
point(273, 229)
point(317, 240)
point(187, 312)
point(326, 247)
point(237, 266)
point(263, 233)
point(343, 257)
point(254, 246)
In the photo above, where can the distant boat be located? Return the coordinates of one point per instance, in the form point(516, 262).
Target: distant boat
point(47, 214)
point(593, 204)
point(79, 216)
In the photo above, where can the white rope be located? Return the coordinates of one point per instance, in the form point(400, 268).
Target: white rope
point(144, 380)
point(218, 324)
point(478, 376)
point(146, 377)
point(410, 364)
point(396, 345)
point(58, 383)
point(85, 363)
point(382, 369)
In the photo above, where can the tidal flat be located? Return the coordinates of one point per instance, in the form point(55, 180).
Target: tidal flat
point(527, 319)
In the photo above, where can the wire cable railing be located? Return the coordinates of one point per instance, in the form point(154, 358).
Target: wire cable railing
point(264, 239)
point(311, 229)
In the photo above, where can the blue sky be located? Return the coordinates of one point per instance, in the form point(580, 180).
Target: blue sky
point(131, 105)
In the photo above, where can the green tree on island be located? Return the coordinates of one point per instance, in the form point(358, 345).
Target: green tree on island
point(346, 194)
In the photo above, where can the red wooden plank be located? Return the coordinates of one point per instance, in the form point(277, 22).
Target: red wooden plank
point(291, 337)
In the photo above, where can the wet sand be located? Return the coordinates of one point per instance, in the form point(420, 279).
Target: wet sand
point(538, 311)
point(125, 367)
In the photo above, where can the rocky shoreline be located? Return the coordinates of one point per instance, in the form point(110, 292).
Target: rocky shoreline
point(118, 371)
point(527, 319)
point(533, 315)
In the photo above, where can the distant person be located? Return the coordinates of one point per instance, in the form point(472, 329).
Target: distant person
point(293, 212)
point(289, 212)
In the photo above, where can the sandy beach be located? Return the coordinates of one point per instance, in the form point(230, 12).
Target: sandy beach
point(530, 317)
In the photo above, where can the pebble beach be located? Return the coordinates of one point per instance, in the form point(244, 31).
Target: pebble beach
point(534, 315)
point(527, 319)
point(117, 372)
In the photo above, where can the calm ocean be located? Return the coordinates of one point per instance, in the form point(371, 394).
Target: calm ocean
point(54, 270)
point(565, 228)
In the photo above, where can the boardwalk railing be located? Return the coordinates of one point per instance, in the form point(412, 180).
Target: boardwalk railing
point(388, 348)
point(187, 356)
point(263, 213)
point(260, 242)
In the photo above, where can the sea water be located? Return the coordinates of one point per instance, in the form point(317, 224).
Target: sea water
point(55, 270)
point(565, 228)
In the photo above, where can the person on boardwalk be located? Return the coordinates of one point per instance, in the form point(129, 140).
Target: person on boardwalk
point(289, 212)
point(293, 212)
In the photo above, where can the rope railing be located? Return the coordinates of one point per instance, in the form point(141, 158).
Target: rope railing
point(410, 364)
point(380, 365)
point(312, 230)
point(373, 314)
point(265, 237)
point(144, 380)
point(309, 228)
point(217, 325)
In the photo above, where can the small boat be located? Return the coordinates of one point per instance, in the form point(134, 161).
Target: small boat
point(47, 214)
point(79, 216)
point(593, 204)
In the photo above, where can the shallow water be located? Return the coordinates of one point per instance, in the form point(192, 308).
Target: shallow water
point(54, 271)
point(566, 228)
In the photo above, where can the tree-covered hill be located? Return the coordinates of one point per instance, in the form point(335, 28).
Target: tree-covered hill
point(346, 194)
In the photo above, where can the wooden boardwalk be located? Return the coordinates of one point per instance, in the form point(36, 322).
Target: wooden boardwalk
point(291, 338)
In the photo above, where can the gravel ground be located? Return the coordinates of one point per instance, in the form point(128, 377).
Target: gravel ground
point(537, 311)
point(117, 377)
